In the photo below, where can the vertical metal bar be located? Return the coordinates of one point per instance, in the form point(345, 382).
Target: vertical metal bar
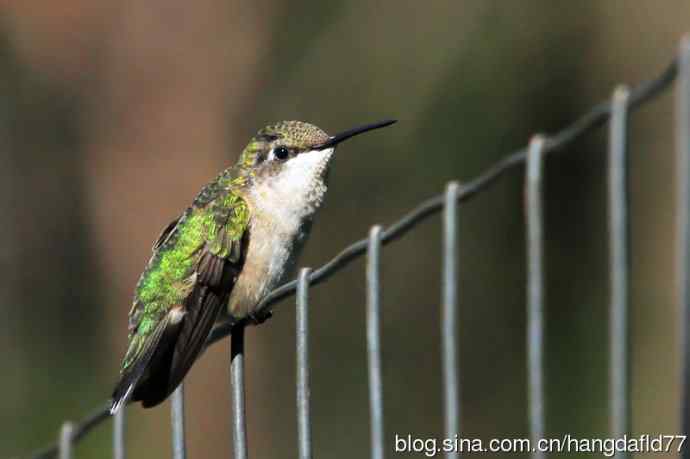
point(683, 202)
point(619, 358)
point(449, 317)
point(119, 434)
point(65, 445)
point(239, 422)
point(303, 391)
point(179, 447)
point(374, 342)
point(535, 292)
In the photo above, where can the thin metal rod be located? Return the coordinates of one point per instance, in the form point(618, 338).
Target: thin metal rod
point(683, 212)
point(535, 292)
point(619, 266)
point(303, 390)
point(374, 342)
point(81, 429)
point(119, 434)
point(66, 438)
point(239, 422)
point(449, 321)
point(179, 447)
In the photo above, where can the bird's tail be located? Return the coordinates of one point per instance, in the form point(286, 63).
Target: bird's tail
point(121, 396)
point(131, 375)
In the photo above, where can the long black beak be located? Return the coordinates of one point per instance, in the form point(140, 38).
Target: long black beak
point(336, 139)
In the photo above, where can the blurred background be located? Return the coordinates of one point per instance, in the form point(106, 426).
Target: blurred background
point(114, 114)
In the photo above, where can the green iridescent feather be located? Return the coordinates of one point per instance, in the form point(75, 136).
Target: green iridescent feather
point(215, 222)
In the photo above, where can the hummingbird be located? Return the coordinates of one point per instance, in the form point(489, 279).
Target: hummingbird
point(236, 242)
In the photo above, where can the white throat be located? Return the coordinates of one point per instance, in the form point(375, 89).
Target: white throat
point(281, 206)
point(296, 191)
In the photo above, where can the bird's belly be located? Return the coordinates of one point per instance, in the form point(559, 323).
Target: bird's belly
point(282, 210)
point(270, 258)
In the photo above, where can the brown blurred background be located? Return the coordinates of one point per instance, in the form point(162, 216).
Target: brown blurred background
point(113, 113)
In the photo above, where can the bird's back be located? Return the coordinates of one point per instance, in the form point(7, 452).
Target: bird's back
point(181, 292)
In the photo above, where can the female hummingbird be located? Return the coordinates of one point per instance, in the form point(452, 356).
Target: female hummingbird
point(231, 247)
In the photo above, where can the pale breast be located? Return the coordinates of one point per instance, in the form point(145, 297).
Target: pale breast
point(281, 213)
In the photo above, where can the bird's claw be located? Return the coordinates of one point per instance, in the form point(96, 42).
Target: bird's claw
point(257, 318)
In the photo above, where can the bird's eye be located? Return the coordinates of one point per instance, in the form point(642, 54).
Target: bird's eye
point(281, 152)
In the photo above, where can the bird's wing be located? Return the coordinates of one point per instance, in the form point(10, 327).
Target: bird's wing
point(165, 343)
point(167, 231)
point(219, 266)
point(138, 308)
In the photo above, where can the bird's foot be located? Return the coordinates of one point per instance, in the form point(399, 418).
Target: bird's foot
point(259, 317)
point(225, 318)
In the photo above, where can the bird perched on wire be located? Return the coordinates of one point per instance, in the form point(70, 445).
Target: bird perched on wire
point(224, 253)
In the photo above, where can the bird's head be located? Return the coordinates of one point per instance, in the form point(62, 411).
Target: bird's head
point(295, 150)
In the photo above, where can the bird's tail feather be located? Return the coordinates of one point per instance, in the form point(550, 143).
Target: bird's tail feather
point(131, 375)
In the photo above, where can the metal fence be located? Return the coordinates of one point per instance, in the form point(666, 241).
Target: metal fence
point(617, 110)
